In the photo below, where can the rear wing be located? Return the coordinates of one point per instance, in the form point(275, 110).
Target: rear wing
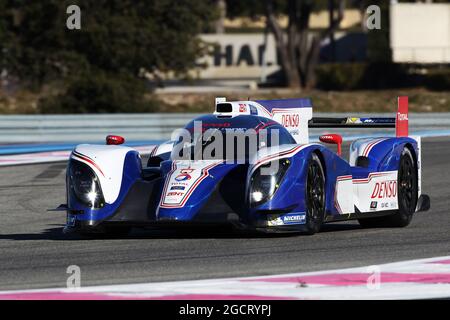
point(400, 122)
point(296, 116)
point(352, 123)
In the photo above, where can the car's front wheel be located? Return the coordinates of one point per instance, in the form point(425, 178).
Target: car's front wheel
point(315, 195)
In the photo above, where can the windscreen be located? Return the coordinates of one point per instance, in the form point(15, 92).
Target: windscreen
point(232, 139)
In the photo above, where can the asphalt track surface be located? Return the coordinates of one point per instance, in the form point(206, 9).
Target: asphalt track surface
point(35, 254)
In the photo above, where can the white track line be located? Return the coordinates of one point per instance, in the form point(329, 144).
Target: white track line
point(51, 156)
point(416, 279)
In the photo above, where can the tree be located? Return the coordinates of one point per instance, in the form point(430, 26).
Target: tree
point(123, 35)
point(222, 11)
point(120, 39)
point(297, 47)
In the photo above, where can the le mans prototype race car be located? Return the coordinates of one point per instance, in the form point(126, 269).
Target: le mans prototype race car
point(109, 191)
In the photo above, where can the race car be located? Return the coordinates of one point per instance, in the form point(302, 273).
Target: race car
point(251, 165)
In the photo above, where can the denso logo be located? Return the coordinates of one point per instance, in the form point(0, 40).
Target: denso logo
point(290, 120)
point(386, 189)
point(402, 116)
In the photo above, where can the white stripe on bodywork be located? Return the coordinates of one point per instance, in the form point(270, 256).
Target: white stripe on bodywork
point(197, 171)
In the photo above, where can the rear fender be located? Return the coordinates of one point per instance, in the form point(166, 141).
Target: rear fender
point(385, 156)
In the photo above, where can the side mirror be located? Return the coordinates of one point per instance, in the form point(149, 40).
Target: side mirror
point(114, 140)
point(333, 139)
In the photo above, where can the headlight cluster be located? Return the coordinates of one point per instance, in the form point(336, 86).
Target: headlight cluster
point(264, 184)
point(84, 185)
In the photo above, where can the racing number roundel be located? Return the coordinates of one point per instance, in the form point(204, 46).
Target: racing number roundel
point(184, 175)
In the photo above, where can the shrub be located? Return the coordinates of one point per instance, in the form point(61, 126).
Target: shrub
point(438, 79)
point(99, 93)
point(340, 76)
point(351, 76)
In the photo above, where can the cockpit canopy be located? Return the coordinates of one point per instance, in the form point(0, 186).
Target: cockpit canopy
point(213, 137)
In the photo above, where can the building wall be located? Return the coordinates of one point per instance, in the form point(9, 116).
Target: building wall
point(420, 33)
point(243, 56)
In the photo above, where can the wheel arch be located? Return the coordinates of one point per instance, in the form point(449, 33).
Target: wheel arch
point(321, 157)
point(411, 148)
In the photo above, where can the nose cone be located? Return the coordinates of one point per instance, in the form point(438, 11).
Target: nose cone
point(188, 186)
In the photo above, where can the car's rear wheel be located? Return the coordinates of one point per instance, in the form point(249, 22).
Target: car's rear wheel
point(407, 191)
point(315, 195)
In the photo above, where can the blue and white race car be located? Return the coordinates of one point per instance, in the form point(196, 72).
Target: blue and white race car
point(250, 164)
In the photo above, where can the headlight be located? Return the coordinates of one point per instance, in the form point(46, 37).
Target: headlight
point(264, 186)
point(84, 185)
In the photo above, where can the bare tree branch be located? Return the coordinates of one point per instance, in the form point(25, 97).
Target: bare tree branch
point(285, 47)
point(272, 20)
point(336, 22)
point(299, 51)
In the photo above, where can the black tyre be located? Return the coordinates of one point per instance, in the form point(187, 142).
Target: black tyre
point(407, 191)
point(315, 195)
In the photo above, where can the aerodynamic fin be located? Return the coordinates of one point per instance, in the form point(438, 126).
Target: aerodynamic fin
point(401, 120)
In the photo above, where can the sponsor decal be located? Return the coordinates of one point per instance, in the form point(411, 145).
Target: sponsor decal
point(175, 194)
point(288, 219)
point(298, 218)
point(402, 116)
point(385, 189)
point(290, 120)
point(71, 220)
point(242, 108)
point(184, 175)
point(177, 199)
point(177, 188)
point(216, 125)
point(373, 205)
point(388, 205)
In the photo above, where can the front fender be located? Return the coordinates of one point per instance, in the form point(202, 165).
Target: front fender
point(290, 196)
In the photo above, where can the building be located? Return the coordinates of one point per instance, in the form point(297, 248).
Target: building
point(420, 33)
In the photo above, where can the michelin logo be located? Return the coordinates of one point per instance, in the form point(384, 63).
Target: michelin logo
point(288, 219)
point(294, 218)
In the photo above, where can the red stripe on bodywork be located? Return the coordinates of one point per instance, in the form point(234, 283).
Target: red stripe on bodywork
point(89, 160)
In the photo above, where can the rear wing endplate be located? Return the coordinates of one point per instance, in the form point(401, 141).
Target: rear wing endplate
point(400, 122)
